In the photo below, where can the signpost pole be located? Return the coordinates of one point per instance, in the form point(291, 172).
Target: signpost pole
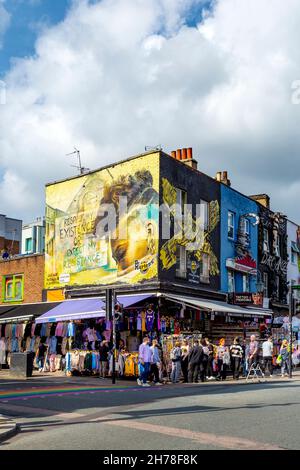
point(291, 311)
point(114, 337)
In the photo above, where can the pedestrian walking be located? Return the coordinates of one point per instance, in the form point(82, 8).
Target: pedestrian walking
point(284, 355)
point(236, 355)
point(223, 359)
point(195, 359)
point(210, 359)
point(176, 362)
point(267, 351)
point(253, 351)
point(144, 362)
point(155, 364)
point(185, 360)
point(103, 352)
point(204, 362)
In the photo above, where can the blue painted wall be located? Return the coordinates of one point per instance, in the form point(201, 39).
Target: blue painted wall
point(240, 205)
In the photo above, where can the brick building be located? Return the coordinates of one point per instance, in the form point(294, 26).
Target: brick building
point(22, 279)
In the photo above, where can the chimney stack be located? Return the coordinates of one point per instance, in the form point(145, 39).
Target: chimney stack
point(178, 154)
point(219, 176)
point(185, 156)
point(222, 177)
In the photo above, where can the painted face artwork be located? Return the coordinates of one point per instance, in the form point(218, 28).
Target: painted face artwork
point(90, 239)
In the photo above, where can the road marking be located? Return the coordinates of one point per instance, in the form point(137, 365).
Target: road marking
point(228, 442)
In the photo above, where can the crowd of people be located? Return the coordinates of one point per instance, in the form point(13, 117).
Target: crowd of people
point(200, 362)
point(205, 361)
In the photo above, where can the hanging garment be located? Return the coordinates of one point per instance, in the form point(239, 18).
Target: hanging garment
point(163, 325)
point(2, 351)
point(149, 319)
point(53, 329)
point(27, 344)
point(32, 329)
point(59, 329)
point(52, 362)
point(64, 346)
point(14, 345)
point(71, 329)
point(43, 330)
point(53, 345)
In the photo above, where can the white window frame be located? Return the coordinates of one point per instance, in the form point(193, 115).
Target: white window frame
point(231, 224)
point(182, 258)
point(277, 245)
point(231, 282)
point(246, 283)
point(266, 246)
point(205, 268)
point(204, 213)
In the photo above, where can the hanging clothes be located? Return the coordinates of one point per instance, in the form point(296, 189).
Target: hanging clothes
point(53, 345)
point(59, 329)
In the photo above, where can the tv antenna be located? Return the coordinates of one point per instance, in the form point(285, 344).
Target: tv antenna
point(79, 166)
point(155, 147)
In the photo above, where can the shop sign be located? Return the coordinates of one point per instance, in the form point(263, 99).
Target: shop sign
point(64, 278)
point(241, 299)
point(274, 263)
point(244, 265)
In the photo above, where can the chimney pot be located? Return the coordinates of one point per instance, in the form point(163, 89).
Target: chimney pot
point(178, 154)
point(219, 176)
point(225, 175)
point(190, 153)
point(184, 154)
point(173, 153)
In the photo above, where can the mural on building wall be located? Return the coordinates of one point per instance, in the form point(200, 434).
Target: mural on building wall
point(83, 247)
point(193, 233)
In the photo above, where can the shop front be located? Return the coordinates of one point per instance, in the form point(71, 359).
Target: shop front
point(74, 330)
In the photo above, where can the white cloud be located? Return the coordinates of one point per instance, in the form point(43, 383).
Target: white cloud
point(121, 74)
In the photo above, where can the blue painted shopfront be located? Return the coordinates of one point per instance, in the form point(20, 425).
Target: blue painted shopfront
point(239, 242)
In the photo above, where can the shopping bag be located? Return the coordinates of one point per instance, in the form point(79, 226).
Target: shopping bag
point(279, 360)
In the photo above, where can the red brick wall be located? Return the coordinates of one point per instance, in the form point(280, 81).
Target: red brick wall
point(33, 269)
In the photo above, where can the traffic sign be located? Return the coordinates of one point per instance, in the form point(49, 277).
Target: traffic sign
point(296, 287)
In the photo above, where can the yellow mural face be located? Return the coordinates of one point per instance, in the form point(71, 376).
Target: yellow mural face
point(79, 251)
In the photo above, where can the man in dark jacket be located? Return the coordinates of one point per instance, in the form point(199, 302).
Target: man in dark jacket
point(103, 350)
point(195, 359)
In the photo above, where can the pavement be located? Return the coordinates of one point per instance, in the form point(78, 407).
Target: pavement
point(58, 412)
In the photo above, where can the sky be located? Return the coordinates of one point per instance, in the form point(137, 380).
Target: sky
point(112, 76)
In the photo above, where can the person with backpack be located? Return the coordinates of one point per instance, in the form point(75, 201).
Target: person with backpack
point(176, 363)
point(195, 359)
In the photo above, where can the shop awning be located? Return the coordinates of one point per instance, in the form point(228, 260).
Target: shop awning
point(26, 311)
point(129, 300)
point(79, 309)
point(214, 306)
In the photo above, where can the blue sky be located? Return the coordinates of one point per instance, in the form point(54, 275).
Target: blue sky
point(27, 16)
